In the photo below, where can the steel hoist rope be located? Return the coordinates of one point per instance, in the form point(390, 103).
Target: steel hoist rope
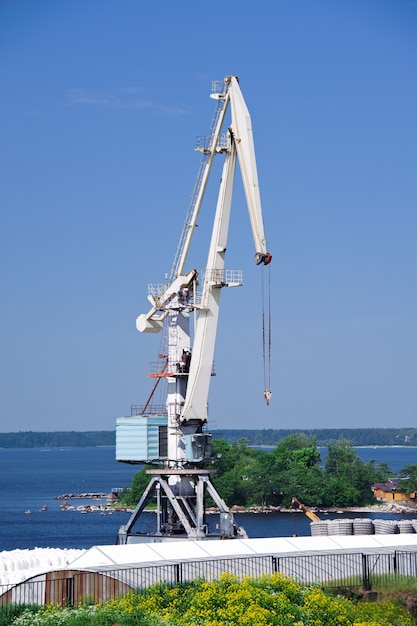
point(266, 334)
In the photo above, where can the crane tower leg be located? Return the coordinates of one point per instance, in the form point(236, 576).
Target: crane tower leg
point(181, 514)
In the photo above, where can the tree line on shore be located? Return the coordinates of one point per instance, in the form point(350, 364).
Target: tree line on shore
point(247, 476)
point(325, 436)
point(256, 437)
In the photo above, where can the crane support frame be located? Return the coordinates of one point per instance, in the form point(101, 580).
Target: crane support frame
point(186, 515)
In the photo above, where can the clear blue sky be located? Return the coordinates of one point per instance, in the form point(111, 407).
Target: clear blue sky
point(100, 105)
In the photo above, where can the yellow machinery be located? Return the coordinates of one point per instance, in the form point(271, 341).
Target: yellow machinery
point(299, 505)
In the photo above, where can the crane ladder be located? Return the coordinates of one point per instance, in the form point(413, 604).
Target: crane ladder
point(205, 159)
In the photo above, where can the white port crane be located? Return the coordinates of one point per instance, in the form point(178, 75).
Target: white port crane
point(175, 436)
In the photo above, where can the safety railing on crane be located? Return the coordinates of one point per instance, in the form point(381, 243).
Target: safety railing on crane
point(204, 144)
point(158, 369)
point(219, 278)
point(153, 409)
point(157, 290)
point(224, 278)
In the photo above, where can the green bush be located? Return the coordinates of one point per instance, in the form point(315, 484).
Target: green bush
point(275, 600)
point(9, 612)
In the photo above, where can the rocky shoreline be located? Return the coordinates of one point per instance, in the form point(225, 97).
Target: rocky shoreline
point(80, 496)
point(384, 507)
point(391, 507)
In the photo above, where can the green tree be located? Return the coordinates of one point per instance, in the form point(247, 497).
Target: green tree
point(239, 474)
point(130, 497)
point(296, 472)
point(247, 476)
point(409, 474)
point(348, 478)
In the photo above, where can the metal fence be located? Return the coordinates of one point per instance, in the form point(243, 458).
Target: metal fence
point(71, 587)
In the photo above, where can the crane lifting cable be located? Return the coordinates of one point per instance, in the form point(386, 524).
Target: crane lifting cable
point(266, 334)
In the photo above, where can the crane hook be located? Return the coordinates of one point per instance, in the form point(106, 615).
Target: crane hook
point(267, 396)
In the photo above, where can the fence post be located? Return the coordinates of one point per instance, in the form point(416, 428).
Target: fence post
point(366, 583)
point(178, 573)
point(275, 564)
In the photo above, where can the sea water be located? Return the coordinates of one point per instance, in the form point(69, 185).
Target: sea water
point(30, 480)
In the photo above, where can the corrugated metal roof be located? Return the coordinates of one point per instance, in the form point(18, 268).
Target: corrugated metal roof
point(135, 555)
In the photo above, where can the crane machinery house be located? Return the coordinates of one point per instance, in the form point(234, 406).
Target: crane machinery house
point(175, 436)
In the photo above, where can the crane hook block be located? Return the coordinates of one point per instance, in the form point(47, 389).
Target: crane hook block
point(263, 258)
point(267, 396)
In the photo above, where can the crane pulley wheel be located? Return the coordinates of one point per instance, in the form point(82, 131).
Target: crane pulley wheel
point(263, 258)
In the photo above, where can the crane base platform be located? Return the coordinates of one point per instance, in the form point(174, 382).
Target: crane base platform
point(180, 497)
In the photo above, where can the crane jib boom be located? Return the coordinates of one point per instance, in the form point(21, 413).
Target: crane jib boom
point(241, 130)
point(239, 147)
point(242, 137)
